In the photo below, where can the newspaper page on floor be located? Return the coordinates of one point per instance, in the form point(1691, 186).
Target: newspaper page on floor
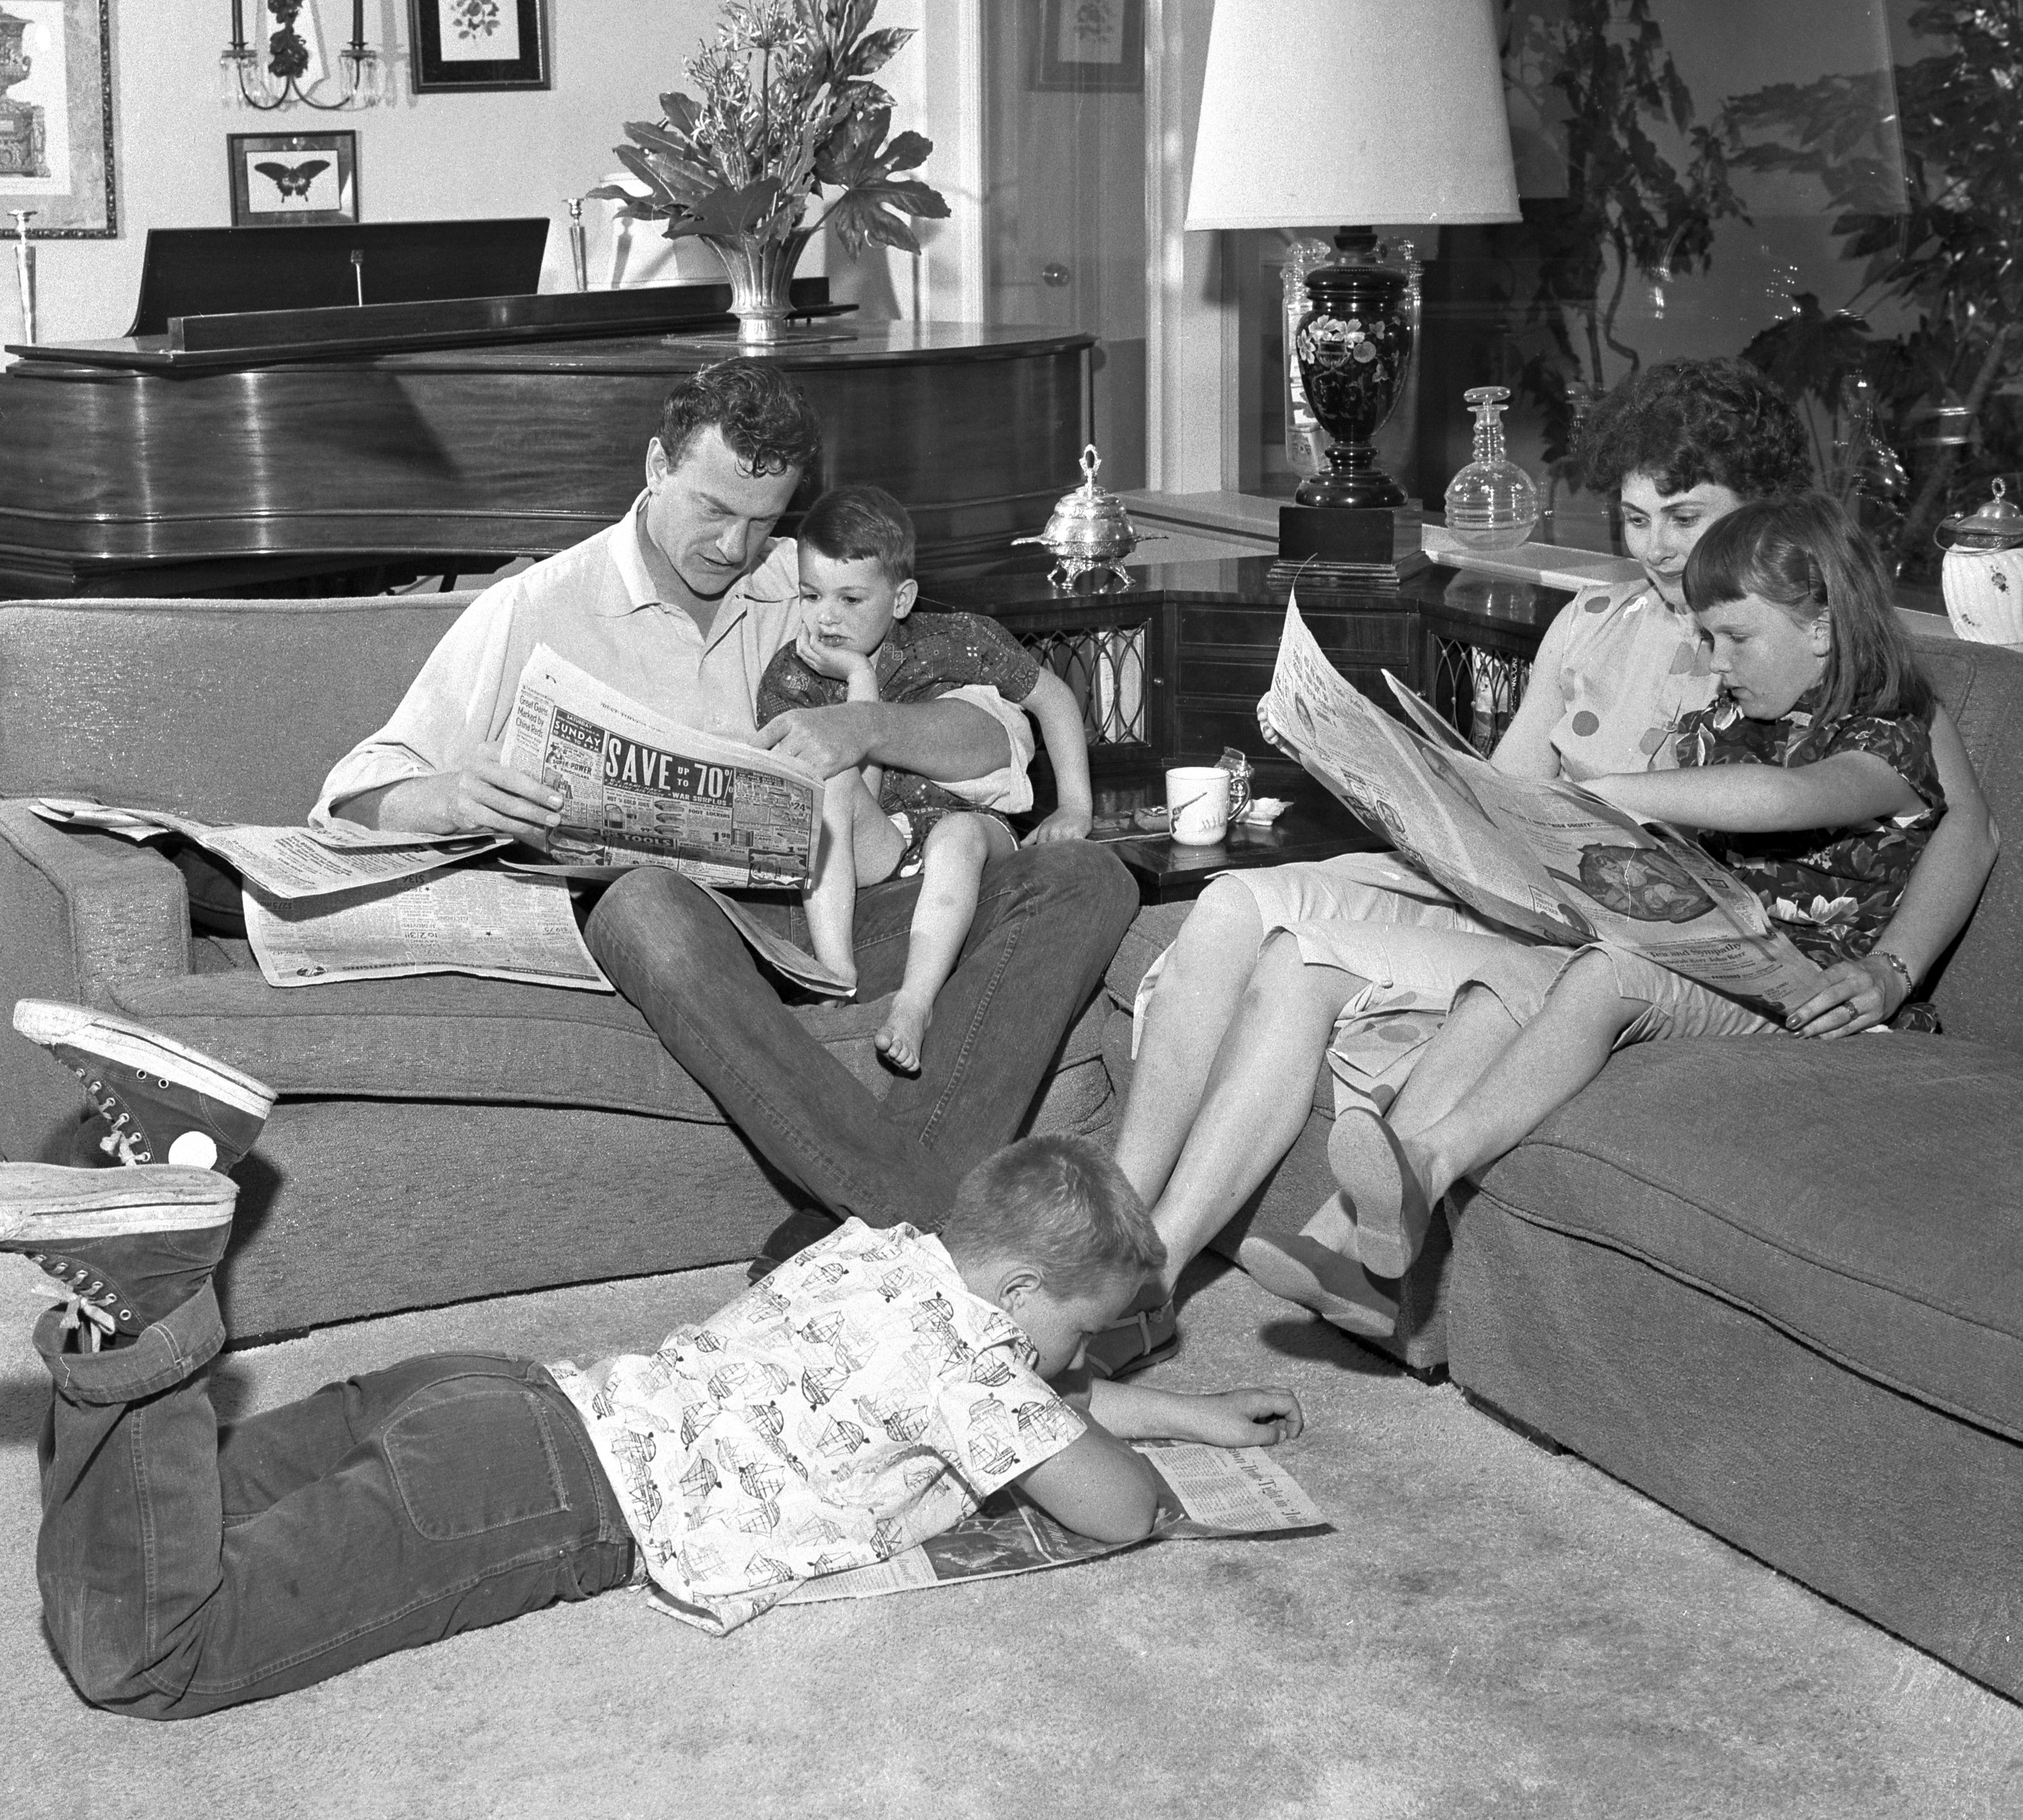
point(1542, 857)
point(1204, 1492)
point(641, 789)
point(288, 863)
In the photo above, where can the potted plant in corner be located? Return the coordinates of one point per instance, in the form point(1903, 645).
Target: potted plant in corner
point(785, 107)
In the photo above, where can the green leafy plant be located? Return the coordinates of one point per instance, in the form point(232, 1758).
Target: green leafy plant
point(784, 109)
point(1629, 208)
point(1948, 245)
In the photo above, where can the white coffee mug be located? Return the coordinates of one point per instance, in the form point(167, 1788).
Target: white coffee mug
point(1197, 801)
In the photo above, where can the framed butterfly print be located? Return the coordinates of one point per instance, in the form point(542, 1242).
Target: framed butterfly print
point(467, 44)
point(292, 180)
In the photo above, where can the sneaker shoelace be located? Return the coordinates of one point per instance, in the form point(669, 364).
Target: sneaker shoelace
point(86, 1300)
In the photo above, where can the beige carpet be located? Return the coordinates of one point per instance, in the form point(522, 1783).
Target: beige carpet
point(1490, 1630)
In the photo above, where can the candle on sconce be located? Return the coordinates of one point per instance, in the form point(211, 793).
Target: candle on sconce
point(238, 24)
point(357, 21)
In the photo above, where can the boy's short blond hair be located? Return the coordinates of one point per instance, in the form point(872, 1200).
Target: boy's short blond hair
point(1060, 1205)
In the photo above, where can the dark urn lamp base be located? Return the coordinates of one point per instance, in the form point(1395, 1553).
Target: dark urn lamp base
point(1351, 522)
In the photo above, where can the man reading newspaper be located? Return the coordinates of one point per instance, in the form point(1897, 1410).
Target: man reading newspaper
point(680, 604)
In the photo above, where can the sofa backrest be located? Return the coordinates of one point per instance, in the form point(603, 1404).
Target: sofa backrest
point(231, 709)
point(1979, 987)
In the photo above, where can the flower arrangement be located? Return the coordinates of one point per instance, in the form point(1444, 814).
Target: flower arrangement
point(785, 106)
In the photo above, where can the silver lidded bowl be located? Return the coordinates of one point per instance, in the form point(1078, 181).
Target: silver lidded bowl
point(1995, 523)
point(1089, 531)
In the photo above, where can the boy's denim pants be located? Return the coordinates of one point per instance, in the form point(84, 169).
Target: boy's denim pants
point(184, 1568)
point(1048, 920)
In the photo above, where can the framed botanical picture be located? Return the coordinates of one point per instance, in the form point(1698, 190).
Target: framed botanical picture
point(457, 44)
point(292, 180)
point(55, 118)
point(1092, 44)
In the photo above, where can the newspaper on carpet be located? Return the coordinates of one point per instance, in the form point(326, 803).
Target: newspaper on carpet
point(1204, 1492)
point(286, 863)
point(498, 925)
point(642, 790)
point(1542, 857)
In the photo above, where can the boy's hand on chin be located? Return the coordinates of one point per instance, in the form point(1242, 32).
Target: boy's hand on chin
point(836, 661)
point(1253, 1418)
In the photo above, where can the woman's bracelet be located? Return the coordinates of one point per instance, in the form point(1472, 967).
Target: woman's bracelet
point(1891, 958)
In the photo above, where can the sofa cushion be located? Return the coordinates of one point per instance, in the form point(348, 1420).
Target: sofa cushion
point(1865, 1196)
point(447, 1037)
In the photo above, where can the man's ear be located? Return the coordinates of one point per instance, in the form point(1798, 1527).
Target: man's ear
point(656, 466)
point(903, 598)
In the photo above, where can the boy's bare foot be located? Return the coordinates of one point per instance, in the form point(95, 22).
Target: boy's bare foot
point(904, 1034)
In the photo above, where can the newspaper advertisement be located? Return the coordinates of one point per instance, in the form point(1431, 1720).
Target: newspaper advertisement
point(1204, 1492)
point(641, 789)
point(475, 920)
point(1542, 856)
point(287, 863)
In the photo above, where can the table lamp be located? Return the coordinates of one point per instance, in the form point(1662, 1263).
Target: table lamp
point(1353, 111)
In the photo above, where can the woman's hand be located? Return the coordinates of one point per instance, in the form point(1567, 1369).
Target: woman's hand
point(1256, 1418)
point(1855, 994)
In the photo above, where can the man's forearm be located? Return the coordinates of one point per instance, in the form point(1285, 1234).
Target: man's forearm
point(949, 741)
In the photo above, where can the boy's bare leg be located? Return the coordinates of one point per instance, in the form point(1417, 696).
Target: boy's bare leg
point(952, 861)
point(1208, 971)
point(1396, 1176)
point(859, 844)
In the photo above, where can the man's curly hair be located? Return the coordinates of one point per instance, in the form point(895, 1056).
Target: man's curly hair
point(1684, 422)
point(761, 413)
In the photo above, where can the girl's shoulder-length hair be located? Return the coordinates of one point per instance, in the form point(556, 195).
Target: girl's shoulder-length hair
point(1804, 555)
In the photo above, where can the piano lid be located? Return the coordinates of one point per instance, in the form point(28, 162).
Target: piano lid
point(222, 271)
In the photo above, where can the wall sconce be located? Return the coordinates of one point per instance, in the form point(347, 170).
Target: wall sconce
point(244, 81)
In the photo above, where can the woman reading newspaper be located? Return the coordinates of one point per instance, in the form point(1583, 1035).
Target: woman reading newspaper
point(1235, 1018)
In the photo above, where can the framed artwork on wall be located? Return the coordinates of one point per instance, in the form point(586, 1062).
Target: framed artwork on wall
point(55, 118)
point(466, 45)
point(1092, 44)
point(292, 180)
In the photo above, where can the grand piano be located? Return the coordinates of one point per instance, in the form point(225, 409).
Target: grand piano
point(323, 408)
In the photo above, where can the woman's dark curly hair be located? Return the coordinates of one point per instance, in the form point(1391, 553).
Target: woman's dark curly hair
point(761, 413)
point(1684, 422)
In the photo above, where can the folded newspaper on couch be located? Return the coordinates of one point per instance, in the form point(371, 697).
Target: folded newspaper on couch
point(1542, 857)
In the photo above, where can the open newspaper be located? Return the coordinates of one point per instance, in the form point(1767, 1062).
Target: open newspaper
point(1204, 1492)
point(640, 789)
point(1542, 856)
point(287, 863)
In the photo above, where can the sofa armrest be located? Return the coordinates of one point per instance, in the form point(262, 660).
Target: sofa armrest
point(82, 911)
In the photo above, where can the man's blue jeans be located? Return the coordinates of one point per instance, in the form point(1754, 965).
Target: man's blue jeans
point(1048, 920)
point(184, 1568)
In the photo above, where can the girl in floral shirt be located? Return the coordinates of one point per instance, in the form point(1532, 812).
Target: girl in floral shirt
point(1811, 776)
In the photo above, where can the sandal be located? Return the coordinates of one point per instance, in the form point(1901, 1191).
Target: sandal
point(1393, 1214)
point(1133, 1344)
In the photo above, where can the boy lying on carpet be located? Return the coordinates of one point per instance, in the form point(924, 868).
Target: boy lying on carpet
point(869, 1393)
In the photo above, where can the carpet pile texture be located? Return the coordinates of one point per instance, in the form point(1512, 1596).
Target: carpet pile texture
point(1489, 1630)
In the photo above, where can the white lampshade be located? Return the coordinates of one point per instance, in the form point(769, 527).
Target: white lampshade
point(1352, 111)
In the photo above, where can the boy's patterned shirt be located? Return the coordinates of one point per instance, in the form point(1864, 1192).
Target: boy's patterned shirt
point(855, 1401)
point(1831, 890)
point(923, 656)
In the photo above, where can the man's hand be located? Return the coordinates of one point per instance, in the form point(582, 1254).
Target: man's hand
point(836, 661)
point(1063, 825)
point(482, 796)
point(826, 739)
point(1255, 1418)
point(1854, 995)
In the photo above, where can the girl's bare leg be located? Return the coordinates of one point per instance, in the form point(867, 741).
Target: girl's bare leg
point(859, 845)
point(1255, 1101)
point(1396, 1177)
point(1206, 974)
point(952, 861)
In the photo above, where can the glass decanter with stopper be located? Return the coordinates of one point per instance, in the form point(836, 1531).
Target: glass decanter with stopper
point(1492, 503)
